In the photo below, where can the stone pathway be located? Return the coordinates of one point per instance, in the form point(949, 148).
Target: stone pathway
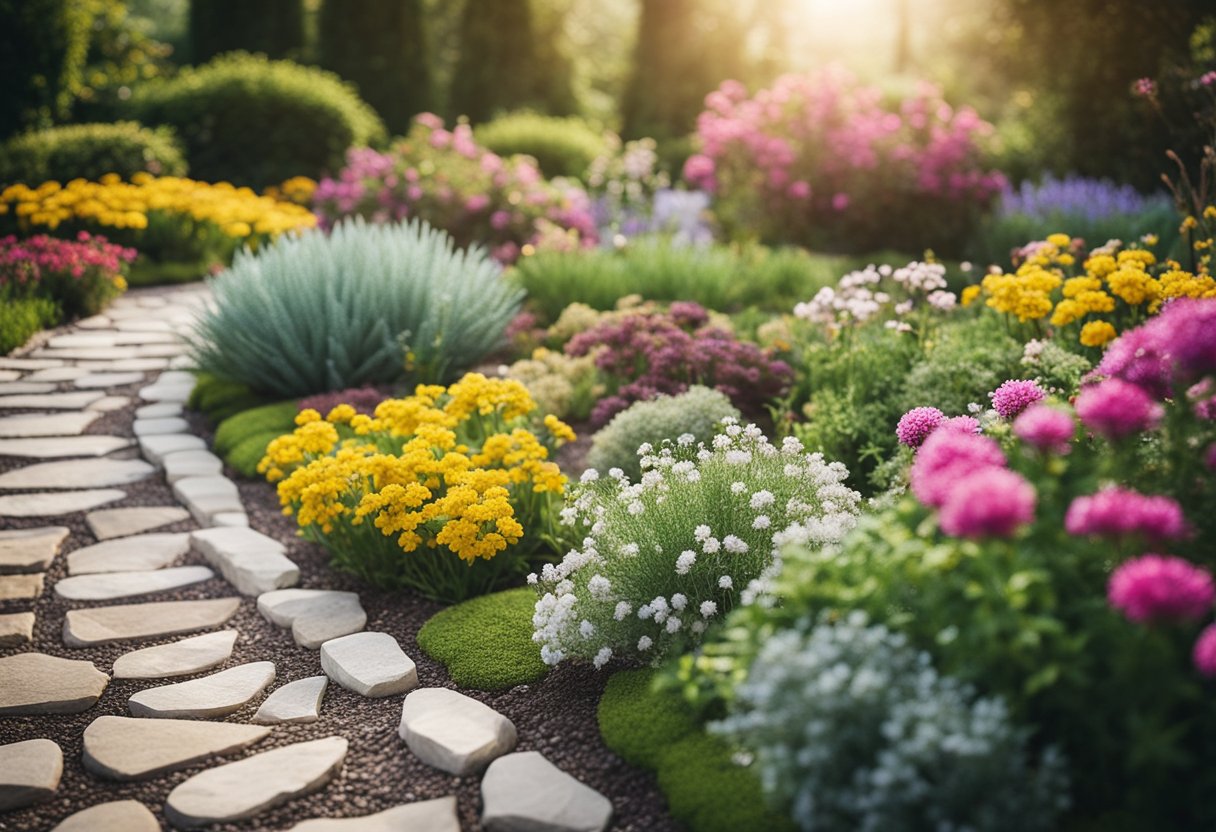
point(148, 670)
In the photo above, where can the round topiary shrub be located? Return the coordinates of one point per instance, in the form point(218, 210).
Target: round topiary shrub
point(252, 121)
point(90, 151)
point(561, 146)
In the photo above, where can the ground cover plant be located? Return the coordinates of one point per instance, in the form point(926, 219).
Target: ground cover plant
point(486, 643)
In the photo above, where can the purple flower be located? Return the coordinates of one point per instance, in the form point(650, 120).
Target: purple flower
point(1204, 654)
point(962, 424)
point(992, 502)
point(1045, 427)
point(1161, 587)
point(1115, 408)
point(1012, 397)
point(915, 426)
point(945, 458)
point(1187, 326)
point(1116, 512)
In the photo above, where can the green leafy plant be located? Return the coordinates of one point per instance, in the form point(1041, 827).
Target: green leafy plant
point(364, 304)
point(45, 45)
point(486, 643)
point(90, 151)
point(278, 417)
point(22, 317)
point(561, 146)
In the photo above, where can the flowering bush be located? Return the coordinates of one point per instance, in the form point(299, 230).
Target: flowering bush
point(882, 293)
point(445, 178)
point(666, 557)
point(562, 385)
point(821, 159)
point(81, 275)
point(432, 492)
point(881, 741)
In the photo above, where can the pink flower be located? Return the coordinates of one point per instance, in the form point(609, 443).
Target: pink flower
point(1045, 427)
point(992, 502)
point(500, 220)
point(699, 171)
point(1012, 397)
point(1204, 654)
point(840, 201)
point(799, 190)
point(915, 426)
point(948, 456)
point(1209, 458)
point(476, 203)
point(1115, 512)
point(962, 424)
point(1115, 408)
point(1161, 587)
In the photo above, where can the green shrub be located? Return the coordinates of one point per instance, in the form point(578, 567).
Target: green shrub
point(251, 121)
point(89, 151)
point(561, 146)
point(221, 399)
point(246, 454)
point(273, 27)
point(45, 46)
point(366, 304)
point(967, 360)
point(698, 412)
point(22, 317)
point(486, 643)
point(237, 428)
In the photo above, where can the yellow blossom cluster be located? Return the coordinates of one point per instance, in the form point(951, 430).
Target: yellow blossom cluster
point(297, 189)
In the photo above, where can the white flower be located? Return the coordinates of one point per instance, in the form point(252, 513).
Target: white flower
point(739, 488)
point(679, 601)
point(710, 545)
point(622, 610)
point(737, 457)
point(708, 609)
point(590, 475)
point(644, 644)
point(701, 532)
point(726, 582)
point(645, 612)
point(616, 473)
point(602, 657)
point(685, 562)
point(636, 508)
point(762, 499)
point(673, 625)
point(586, 629)
point(733, 430)
point(533, 578)
point(693, 476)
point(734, 545)
point(600, 587)
point(697, 627)
point(630, 550)
point(645, 448)
point(686, 439)
point(762, 522)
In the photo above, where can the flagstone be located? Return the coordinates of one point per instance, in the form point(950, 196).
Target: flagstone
point(26, 363)
point(77, 473)
point(296, 702)
point(51, 401)
point(156, 448)
point(81, 339)
point(137, 553)
point(370, 664)
point(11, 375)
point(16, 629)
point(35, 683)
point(314, 615)
point(154, 427)
point(161, 350)
point(184, 464)
point(249, 560)
point(114, 816)
point(49, 447)
point(125, 748)
point(54, 503)
point(208, 496)
point(107, 404)
point(438, 815)
point(209, 697)
point(123, 522)
point(88, 353)
point(105, 586)
point(30, 550)
point(143, 325)
point(29, 772)
point(524, 791)
point(46, 424)
point(158, 411)
point(166, 392)
point(94, 322)
point(230, 519)
point(141, 622)
point(127, 365)
point(453, 732)
point(13, 388)
point(180, 658)
point(95, 381)
point(14, 587)
point(58, 374)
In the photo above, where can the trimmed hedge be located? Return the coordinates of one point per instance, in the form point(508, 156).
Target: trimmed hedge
point(486, 643)
point(252, 121)
point(278, 417)
point(89, 151)
point(560, 146)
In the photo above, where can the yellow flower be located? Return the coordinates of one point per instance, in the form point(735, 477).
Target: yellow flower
point(307, 415)
point(970, 294)
point(1097, 333)
point(1059, 240)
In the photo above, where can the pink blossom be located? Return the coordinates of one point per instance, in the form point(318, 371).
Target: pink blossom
point(1116, 512)
point(1204, 654)
point(1161, 587)
point(962, 424)
point(476, 203)
point(1012, 397)
point(991, 502)
point(840, 201)
point(915, 426)
point(1115, 408)
point(699, 171)
point(1046, 428)
point(945, 458)
point(799, 190)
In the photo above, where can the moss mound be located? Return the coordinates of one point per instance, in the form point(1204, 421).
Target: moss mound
point(486, 643)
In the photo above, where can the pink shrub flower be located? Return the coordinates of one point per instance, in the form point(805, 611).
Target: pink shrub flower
point(1046, 428)
point(915, 426)
point(1209, 458)
point(1116, 512)
point(945, 458)
point(962, 424)
point(1204, 654)
point(992, 502)
point(1014, 396)
point(1161, 588)
point(1115, 408)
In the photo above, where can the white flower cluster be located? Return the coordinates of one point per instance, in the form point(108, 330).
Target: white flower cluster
point(859, 296)
point(662, 558)
point(853, 729)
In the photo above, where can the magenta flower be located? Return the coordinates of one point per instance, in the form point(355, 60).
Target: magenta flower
point(1118, 512)
point(1204, 654)
point(1209, 458)
point(1045, 427)
point(992, 502)
point(1115, 408)
point(915, 426)
point(962, 424)
point(945, 458)
point(1012, 397)
point(1161, 588)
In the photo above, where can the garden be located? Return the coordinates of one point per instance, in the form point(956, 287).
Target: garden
point(547, 415)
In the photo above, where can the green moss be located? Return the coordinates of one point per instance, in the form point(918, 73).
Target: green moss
point(635, 740)
point(220, 399)
point(266, 418)
point(486, 643)
point(247, 453)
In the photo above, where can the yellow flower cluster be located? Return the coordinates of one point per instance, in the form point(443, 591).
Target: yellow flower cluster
point(297, 189)
point(112, 203)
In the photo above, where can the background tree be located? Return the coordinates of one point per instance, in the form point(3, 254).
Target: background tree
point(45, 46)
point(274, 27)
point(498, 64)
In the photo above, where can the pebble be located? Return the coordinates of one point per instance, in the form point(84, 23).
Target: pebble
point(524, 792)
point(437, 815)
point(138, 553)
point(181, 658)
point(30, 550)
point(124, 748)
point(370, 664)
point(249, 560)
point(29, 772)
point(298, 701)
point(105, 586)
point(77, 473)
point(62, 446)
point(453, 732)
point(53, 503)
point(47, 424)
point(314, 615)
point(115, 816)
point(211, 696)
point(136, 622)
point(123, 522)
point(35, 683)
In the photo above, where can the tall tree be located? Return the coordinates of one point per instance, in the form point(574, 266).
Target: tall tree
point(45, 44)
point(498, 67)
point(274, 27)
point(381, 47)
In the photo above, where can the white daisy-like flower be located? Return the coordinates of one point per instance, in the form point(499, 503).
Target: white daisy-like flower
point(622, 610)
point(616, 473)
point(602, 657)
point(710, 545)
point(734, 545)
point(726, 582)
point(685, 439)
point(590, 475)
point(679, 601)
point(701, 532)
point(737, 488)
point(708, 609)
point(533, 578)
point(599, 587)
point(762, 499)
point(644, 644)
point(673, 625)
point(685, 562)
point(630, 550)
point(635, 508)
point(586, 629)
point(762, 521)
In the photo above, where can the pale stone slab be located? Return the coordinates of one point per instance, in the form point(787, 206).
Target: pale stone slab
point(248, 787)
point(161, 350)
point(140, 622)
point(127, 365)
point(35, 683)
point(122, 748)
point(249, 560)
point(208, 496)
point(52, 503)
point(52, 447)
point(158, 411)
point(136, 338)
point(21, 586)
point(166, 392)
point(181, 658)
point(58, 374)
point(122, 522)
point(51, 401)
point(99, 381)
point(29, 363)
point(77, 473)
point(94, 322)
point(13, 375)
point(524, 791)
point(30, 550)
point(106, 586)
point(139, 553)
point(115, 816)
point(143, 325)
point(453, 732)
point(227, 519)
point(109, 403)
point(184, 464)
point(46, 424)
point(16, 628)
point(29, 772)
point(298, 701)
point(182, 362)
point(438, 815)
point(370, 664)
point(87, 353)
point(81, 339)
point(314, 615)
point(176, 378)
point(156, 448)
point(154, 427)
point(207, 698)
point(14, 388)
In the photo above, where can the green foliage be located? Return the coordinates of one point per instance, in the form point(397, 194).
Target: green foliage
point(640, 740)
point(122, 54)
point(380, 46)
point(45, 44)
point(246, 454)
point(561, 146)
point(699, 412)
point(22, 317)
point(278, 418)
point(220, 399)
point(272, 27)
point(89, 151)
point(498, 67)
point(251, 121)
point(967, 360)
point(486, 643)
point(364, 304)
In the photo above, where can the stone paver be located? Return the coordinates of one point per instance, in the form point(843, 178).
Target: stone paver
point(29, 772)
point(524, 791)
point(181, 658)
point(248, 787)
point(35, 683)
point(108, 403)
point(115, 816)
point(98, 381)
point(166, 392)
point(158, 411)
point(58, 374)
point(124, 748)
point(206, 497)
point(46, 424)
point(81, 339)
point(53, 503)
point(106, 586)
point(29, 585)
point(13, 388)
point(249, 560)
point(156, 427)
point(87, 353)
point(314, 615)
point(370, 664)
point(127, 365)
point(139, 553)
point(30, 550)
point(438, 815)
point(27, 363)
point(123, 522)
point(227, 519)
point(156, 448)
point(11, 375)
point(16, 628)
point(454, 732)
point(51, 401)
point(184, 464)
point(140, 622)
point(79, 473)
point(298, 701)
point(207, 698)
point(53, 447)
